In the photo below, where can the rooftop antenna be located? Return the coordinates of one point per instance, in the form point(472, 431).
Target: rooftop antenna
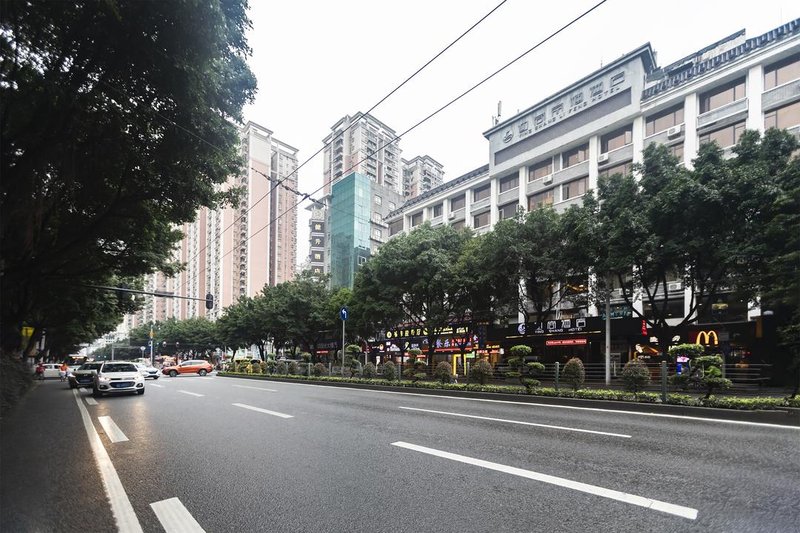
point(499, 109)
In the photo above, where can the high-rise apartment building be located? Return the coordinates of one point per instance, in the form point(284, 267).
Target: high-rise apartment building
point(420, 175)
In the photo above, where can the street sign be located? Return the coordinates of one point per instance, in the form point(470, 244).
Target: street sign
point(343, 312)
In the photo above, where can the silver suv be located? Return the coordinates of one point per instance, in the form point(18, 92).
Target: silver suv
point(117, 377)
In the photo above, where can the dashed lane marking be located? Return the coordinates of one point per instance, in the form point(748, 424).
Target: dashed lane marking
point(174, 517)
point(113, 432)
point(260, 410)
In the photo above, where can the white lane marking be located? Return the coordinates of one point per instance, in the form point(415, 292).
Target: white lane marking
point(191, 393)
point(669, 508)
point(255, 388)
point(621, 435)
point(112, 430)
point(265, 411)
point(554, 406)
point(90, 400)
point(157, 385)
point(120, 504)
point(174, 517)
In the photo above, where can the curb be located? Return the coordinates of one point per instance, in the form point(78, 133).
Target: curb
point(785, 417)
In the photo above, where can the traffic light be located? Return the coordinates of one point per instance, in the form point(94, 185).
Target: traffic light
point(209, 301)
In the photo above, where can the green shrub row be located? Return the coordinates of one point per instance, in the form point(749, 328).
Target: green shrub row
point(726, 402)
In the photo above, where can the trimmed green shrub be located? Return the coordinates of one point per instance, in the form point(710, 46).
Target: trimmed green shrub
point(534, 368)
point(574, 373)
point(413, 354)
point(269, 366)
point(282, 368)
point(530, 384)
point(319, 370)
point(389, 371)
point(255, 368)
point(481, 371)
point(707, 370)
point(519, 352)
point(294, 368)
point(635, 375)
point(687, 350)
point(679, 381)
point(443, 372)
point(306, 357)
point(369, 371)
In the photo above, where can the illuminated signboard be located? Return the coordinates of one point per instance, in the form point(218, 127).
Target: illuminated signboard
point(565, 342)
point(707, 338)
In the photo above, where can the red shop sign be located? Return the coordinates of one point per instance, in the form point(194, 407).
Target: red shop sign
point(565, 342)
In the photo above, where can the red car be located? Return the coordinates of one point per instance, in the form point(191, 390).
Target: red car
point(188, 367)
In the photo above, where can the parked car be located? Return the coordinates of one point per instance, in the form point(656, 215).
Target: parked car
point(84, 375)
point(51, 370)
point(117, 377)
point(188, 367)
point(148, 371)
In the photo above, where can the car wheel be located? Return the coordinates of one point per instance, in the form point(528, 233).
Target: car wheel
point(72, 386)
point(140, 392)
point(156, 377)
point(173, 373)
point(203, 372)
point(96, 393)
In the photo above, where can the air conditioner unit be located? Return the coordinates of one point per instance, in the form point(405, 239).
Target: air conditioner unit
point(674, 286)
point(547, 180)
point(451, 216)
point(674, 131)
point(602, 158)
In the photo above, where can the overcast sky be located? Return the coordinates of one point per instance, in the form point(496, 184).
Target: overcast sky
point(317, 61)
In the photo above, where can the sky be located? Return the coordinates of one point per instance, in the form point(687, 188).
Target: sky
point(317, 61)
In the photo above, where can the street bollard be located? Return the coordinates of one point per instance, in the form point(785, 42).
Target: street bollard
point(663, 381)
point(558, 365)
point(467, 374)
point(308, 368)
point(330, 369)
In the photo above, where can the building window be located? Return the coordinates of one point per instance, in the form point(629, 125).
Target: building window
point(623, 168)
point(576, 155)
point(616, 139)
point(541, 199)
point(508, 211)
point(392, 206)
point(481, 193)
point(481, 220)
point(458, 225)
point(783, 117)
point(377, 233)
point(416, 219)
point(395, 227)
point(457, 203)
point(677, 151)
point(664, 120)
point(724, 137)
point(540, 170)
point(378, 200)
point(574, 188)
point(673, 309)
point(782, 72)
point(509, 182)
point(437, 210)
point(722, 95)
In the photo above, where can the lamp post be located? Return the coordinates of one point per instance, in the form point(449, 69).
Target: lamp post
point(142, 348)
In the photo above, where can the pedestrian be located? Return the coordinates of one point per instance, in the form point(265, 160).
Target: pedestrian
point(62, 371)
point(40, 371)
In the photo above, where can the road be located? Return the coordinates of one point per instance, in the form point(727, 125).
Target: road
point(225, 454)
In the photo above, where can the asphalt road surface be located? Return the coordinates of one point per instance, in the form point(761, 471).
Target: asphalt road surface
point(226, 454)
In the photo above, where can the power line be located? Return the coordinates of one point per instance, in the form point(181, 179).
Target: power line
point(442, 108)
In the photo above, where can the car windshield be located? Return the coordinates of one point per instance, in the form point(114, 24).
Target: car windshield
point(120, 367)
point(90, 366)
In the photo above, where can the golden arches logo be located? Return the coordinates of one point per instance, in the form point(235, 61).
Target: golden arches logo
point(705, 337)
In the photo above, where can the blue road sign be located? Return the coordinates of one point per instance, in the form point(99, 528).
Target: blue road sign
point(343, 313)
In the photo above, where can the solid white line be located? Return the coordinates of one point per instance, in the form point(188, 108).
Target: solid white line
point(554, 406)
point(120, 504)
point(113, 432)
point(156, 385)
point(519, 422)
point(255, 388)
point(174, 517)
point(669, 508)
point(191, 393)
point(265, 411)
point(90, 400)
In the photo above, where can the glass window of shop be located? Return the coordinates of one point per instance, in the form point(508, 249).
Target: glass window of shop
point(459, 202)
point(481, 220)
point(724, 137)
point(674, 308)
point(723, 95)
point(574, 188)
point(509, 182)
point(664, 120)
point(541, 199)
point(782, 72)
point(481, 193)
point(508, 211)
point(623, 168)
point(576, 155)
point(616, 139)
point(540, 170)
point(783, 117)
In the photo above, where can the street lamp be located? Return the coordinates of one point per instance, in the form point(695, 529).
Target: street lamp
point(142, 348)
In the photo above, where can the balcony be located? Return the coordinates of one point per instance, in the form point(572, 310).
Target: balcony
point(480, 205)
point(508, 196)
point(620, 155)
point(723, 115)
point(783, 94)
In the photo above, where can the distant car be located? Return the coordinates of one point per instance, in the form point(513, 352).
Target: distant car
point(188, 367)
point(51, 370)
point(148, 371)
point(83, 377)
point(114, 377)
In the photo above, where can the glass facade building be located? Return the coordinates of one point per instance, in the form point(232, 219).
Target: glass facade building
point(350, 227)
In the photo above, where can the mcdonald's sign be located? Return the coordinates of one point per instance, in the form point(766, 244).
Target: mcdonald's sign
point(707, 338)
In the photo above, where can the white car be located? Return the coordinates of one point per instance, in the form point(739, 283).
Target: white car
point(117, 377)
point(148, 371)
point(51, 370)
